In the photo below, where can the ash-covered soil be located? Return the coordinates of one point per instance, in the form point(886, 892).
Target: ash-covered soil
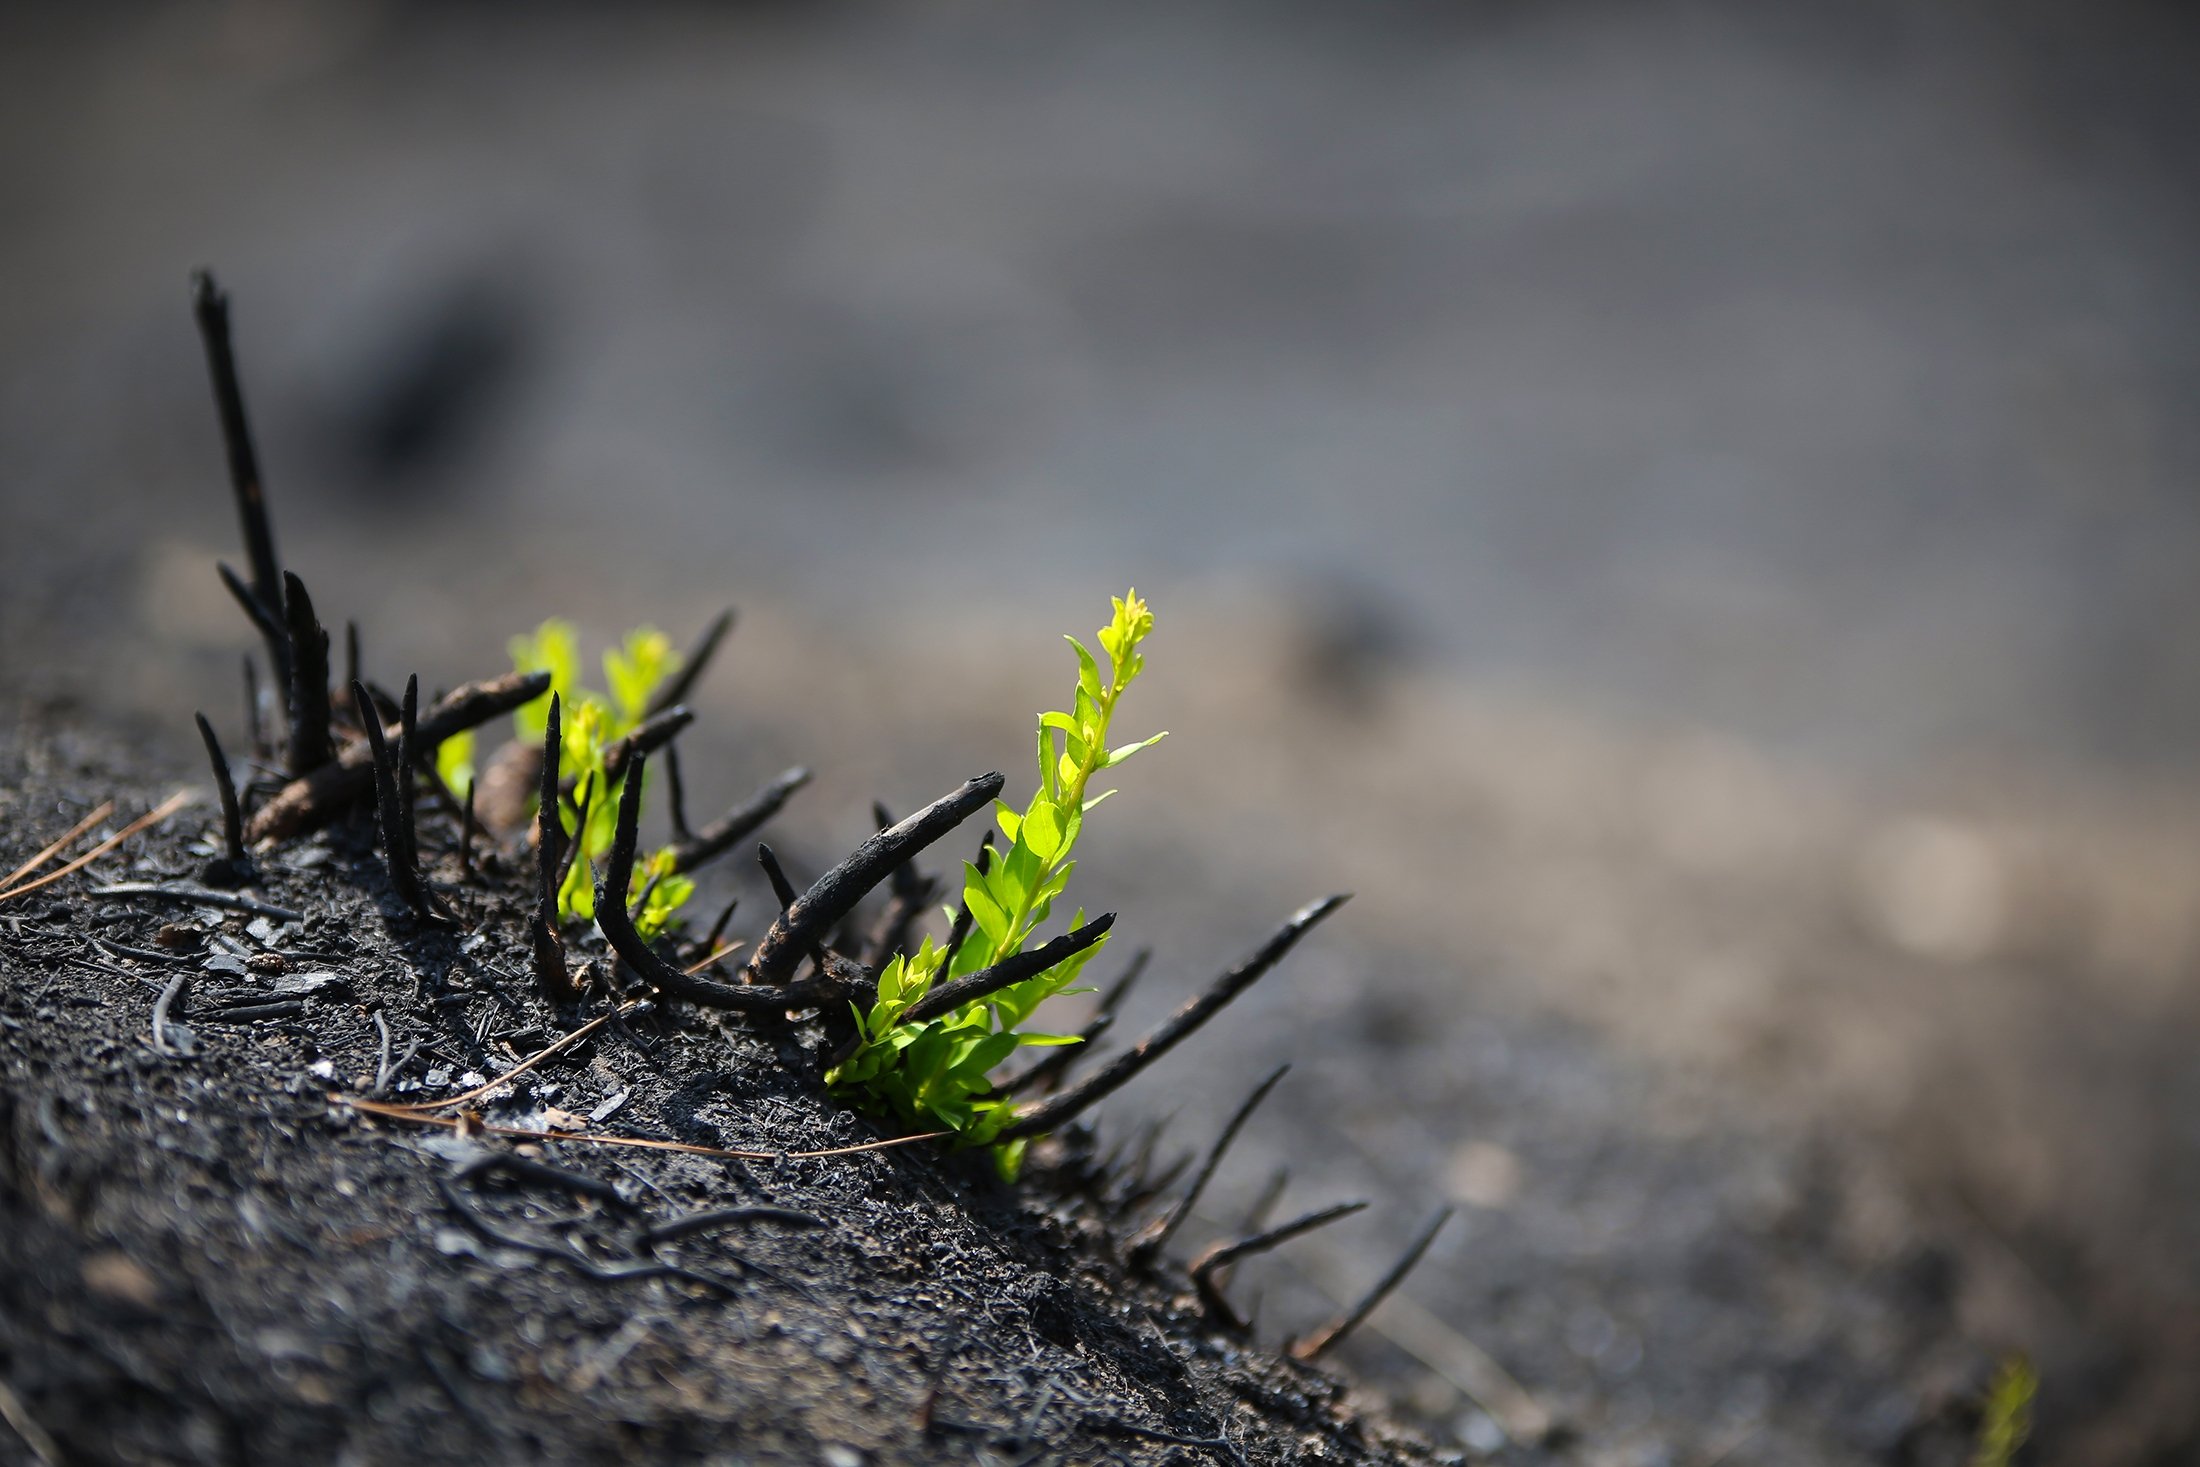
point(210, 1258)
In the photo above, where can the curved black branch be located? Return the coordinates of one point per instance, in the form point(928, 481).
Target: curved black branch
point(1315, 1345)
point(804, 924)
point(737, 824)
point(949, 997)
point(308, 803)
point(823, 988)
point(1223, 1254)
point(232, 867)
point(1124, 1067)
point(693, 665)
point(1156, 1238)
point(659, 730)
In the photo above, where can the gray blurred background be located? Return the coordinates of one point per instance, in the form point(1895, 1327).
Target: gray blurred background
point(1689, 507)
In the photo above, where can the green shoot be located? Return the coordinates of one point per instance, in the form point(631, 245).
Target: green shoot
point(937, 1073)
point(2007, 1420)
point(593, 724)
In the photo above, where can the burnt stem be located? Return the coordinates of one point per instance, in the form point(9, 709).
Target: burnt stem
point(736, 825)
point(309, 803)
point(971, 987)
point(307, 748)
point(676, 799)
point(408, 753)
point(253, 728)
point(1317, 1344)
point(658, 731)
point(265, 616)
point(1156, 1238)
point(549, 953)
point(1048, 1072)
point(804, 924)
point(351, 661)
point(233, 867)
point(693, 665)
point(821, 990)
point(210, 304)
point(1222, 1255)
point(589, 788)
point(782, 889)
point(404, 874)
point(911, 893)
point(1119, 1071)
point(466, 835)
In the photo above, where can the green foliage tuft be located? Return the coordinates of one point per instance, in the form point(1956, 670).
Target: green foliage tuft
point(936, 1074)
point(2007, 1419)
point(591, 726)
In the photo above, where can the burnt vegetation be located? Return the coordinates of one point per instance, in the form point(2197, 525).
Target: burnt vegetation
point(457, 891)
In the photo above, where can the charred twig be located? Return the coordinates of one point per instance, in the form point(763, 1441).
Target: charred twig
point(252, 1013)
point(1221, 1255)
point(589, 788)
point(549, 952)
point(1314, 1346)
point(829, 985)
point(309, 803)
point(466, 834)
point(653, 735)
point(408, 754)
point(782, 889)
point(232, 867)
point(396, 849)
point(541, 1174)
point(737, 824)
point(266, 618)
point(307, 747)
point(1155, 1238)
point(1264, 1206)
point(211, 306)
point(911, 892)
point(482, 1228)
point(812, 915)
point(693, 665)
point(710, 1222)
point(352, 674)
point(1016, 968)
point(197, 896)
point(1120, 1070)
point(717, 930)
point(161, 1033)
point(676, 801)
point(1221, 1446)
point(1048, 1072)
point(255, 730)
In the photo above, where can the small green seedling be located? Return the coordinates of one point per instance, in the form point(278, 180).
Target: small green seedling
point(592, 725)
point(937, 1073)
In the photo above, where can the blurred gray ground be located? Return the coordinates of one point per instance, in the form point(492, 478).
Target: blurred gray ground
point(1693, 407)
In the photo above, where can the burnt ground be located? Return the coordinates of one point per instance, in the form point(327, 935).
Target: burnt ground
point(209, 1260)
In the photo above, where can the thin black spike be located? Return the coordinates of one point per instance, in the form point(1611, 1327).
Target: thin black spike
point(676, 796)
point(1016, 968)
point(804, 924)
point(1313, 1346)
point(404, 875)
point(1222, 1255)
point(1125, 1066)
point(255, 730)
point(211, 306)
point(1156, 1238)
point(466, 834)
point(782, 889)
point(693, 665)
point(351, 659)
point(551, 977)
point(308, 747)
point(266, 618)
point(826, 987)
point(408, 753)
point(585, 800)
point(233, 867)
point(659, 730)
point(737, 824)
